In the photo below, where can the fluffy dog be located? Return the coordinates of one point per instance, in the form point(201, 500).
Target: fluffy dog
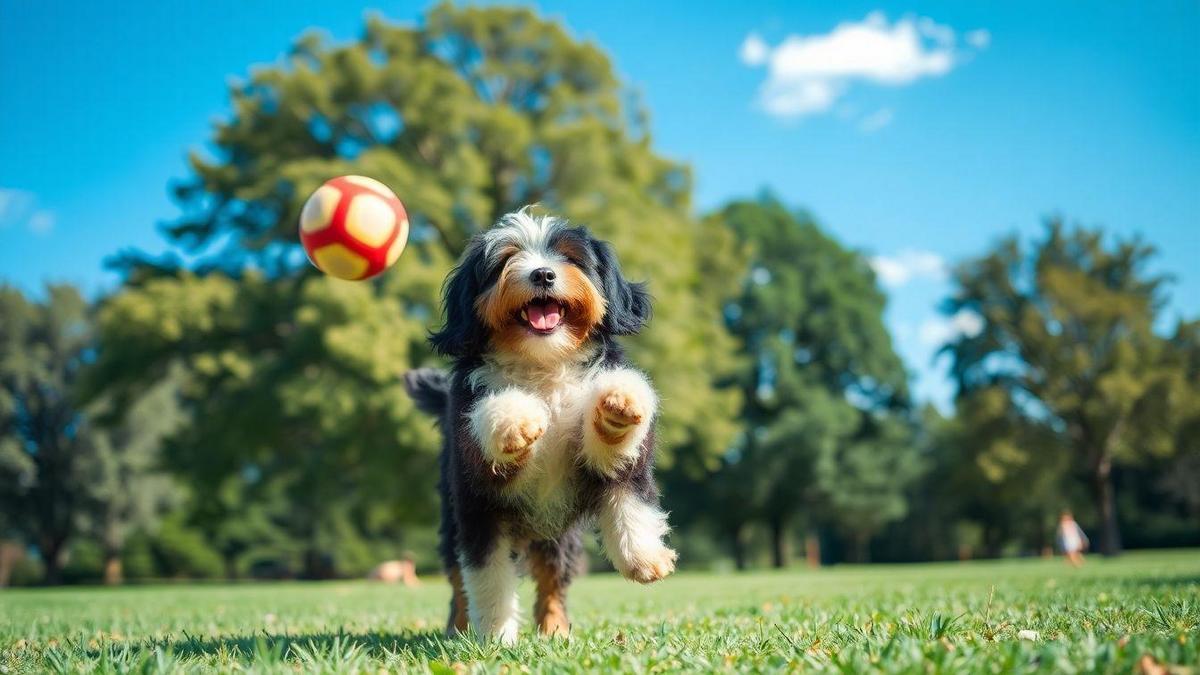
point(547, 428)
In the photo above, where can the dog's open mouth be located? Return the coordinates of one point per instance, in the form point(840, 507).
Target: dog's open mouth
point(543, 315)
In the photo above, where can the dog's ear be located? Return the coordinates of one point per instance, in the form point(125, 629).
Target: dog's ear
point(464, 333)
point(628, 304)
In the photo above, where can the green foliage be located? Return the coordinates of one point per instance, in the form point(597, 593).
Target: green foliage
point(181, 551)
point(880, 619)
point(68, 468)
point(42, 483)
point(1066, 359)
point(304, 378)
point(127, 488)
point(294, 378)
point(85, 563)
point(827, 437)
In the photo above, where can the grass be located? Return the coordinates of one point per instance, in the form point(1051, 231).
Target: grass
point(897, 618)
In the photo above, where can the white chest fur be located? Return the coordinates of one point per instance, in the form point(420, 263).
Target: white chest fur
point(546, 489)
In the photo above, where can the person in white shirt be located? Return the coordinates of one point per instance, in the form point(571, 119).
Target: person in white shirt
point(1071, 539)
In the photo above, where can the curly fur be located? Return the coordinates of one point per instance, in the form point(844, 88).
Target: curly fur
point(547, 428)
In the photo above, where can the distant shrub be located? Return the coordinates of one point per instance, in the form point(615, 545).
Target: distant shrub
point(138, 558)
point(180, 551)
point(85, 563)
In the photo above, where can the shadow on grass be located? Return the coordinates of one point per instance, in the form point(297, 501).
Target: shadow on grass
point(273, 647)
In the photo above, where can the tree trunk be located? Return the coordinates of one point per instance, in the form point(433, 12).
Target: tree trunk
point(812, 549)
point(114, 571)
point(862, 547)
point(231, 570)
point(1106, 507)
point(780, 550)
point(992, 538)
point(738, 542)
point(10, 554)
point(314, 565)
point(53, 558)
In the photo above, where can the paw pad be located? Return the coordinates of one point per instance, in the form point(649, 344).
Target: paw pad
point(517, 438)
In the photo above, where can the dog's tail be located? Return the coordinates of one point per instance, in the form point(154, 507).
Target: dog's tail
point(429, 388)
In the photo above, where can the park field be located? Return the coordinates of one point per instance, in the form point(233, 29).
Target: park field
point(1009, 616)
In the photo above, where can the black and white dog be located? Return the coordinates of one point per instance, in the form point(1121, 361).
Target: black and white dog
point(547, 426)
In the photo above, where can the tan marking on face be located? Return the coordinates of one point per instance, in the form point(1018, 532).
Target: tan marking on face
point(577, 294)
point(571, 248)
point(500, 302)
point(581, 296)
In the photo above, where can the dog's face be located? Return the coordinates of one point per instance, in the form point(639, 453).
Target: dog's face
point(539, 290)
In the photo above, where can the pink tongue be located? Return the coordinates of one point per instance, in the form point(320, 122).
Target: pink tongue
point(544, 317)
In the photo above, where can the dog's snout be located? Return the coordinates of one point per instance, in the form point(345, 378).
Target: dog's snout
point(543, 277)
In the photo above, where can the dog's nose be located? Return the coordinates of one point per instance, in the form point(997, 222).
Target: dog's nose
point(542, 276)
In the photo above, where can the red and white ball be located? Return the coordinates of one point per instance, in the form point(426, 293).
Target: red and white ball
point(353, 227)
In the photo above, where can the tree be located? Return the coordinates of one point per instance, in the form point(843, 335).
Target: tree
point(825, 396)
point(43, 348)
point(1180, 399)
point(1001, 473)
point(296, 385)
point(67, 468)
point(473, 113)
point(127, 488)
point(1067, 345)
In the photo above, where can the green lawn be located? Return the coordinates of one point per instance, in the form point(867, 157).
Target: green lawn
point(894, 618)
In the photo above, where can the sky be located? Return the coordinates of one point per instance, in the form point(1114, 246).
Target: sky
point(918, 133)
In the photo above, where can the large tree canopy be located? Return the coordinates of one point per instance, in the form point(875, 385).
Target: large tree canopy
point(828, 439)
point(470, 114)
point(43, 348)
point(1067, 355)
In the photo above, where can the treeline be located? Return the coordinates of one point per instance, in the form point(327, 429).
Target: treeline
point(230, 412)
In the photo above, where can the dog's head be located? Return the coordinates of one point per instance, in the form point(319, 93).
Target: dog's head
point(534, 288)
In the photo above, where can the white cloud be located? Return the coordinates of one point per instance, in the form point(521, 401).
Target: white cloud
point(935, 332)
point(18, 208)
point(876, 120)
point(909, 264)
point(806, 74)
point(41, 222)
point(14, 205)
point(801, 98)
point(943, 35)
point(754, 51)
point(979, 39)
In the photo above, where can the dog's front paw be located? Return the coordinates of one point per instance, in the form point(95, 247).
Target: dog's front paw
point(652, 566)
point(508, 425)
point(624, 401)
point(617, 412)
point(515, 436)
point(622, 408)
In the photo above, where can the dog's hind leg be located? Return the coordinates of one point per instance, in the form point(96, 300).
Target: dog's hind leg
point(456, 624)
point(490, 581)
point(553, 564)
point(458, 621)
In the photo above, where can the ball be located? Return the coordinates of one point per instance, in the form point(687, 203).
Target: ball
point(353, 227)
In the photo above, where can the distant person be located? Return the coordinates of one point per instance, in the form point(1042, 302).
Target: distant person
point(402, 571)
point(1071, 539)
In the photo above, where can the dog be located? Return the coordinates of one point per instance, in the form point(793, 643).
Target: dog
point(547, 427)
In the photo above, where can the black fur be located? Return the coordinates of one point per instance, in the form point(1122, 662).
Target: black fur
point(429, 389)
point(474, 511)
point(464, 332)
point(628, 303)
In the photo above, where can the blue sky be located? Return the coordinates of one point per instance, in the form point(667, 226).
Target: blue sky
point(918, 133)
